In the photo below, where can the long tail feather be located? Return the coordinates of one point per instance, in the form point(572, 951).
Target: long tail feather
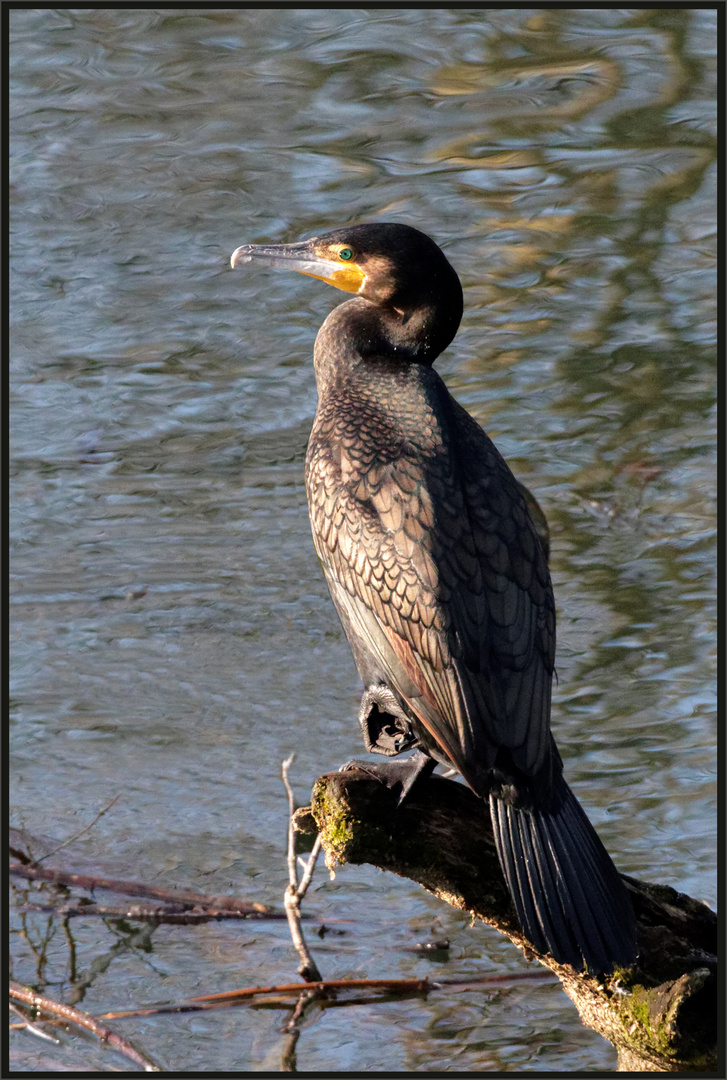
point(568, 895)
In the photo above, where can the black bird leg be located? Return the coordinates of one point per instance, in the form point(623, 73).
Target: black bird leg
point(396, 774)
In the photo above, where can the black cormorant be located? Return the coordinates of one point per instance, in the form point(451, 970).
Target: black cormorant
point(436, 560)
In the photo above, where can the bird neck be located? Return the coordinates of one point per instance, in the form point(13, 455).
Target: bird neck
point(360, 331)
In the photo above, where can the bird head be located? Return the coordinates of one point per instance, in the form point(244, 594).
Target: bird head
point(393, 266)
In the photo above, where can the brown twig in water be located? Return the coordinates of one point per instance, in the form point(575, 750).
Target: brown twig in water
point(322, 984)
point(248, 908)
point(174, 914)
point(391, 986)
point(232, 997)
point(28, 1025)
point(462, 983)
point(81, 1019)
point(295, 892)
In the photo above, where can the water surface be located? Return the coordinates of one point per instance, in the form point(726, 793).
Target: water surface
point(172, 637)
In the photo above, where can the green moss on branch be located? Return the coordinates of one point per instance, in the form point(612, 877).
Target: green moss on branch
point(661, 1014)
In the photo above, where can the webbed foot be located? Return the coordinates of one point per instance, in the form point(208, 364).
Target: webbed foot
point(398, 776)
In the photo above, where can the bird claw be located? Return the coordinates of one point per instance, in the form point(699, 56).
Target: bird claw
point(398, 776)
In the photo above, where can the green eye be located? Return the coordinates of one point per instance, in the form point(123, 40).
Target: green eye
point(346, 254)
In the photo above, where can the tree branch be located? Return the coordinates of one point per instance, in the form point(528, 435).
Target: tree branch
point(661, 1014)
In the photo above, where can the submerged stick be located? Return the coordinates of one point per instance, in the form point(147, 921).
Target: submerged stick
point(28, 1025)
point(234, 997)
point(170, 913)
point(248, 908)
point(81, 1019)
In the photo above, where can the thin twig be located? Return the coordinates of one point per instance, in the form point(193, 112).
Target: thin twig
point(321, 984)
point(318, 990)
point(164, 913)
point(309, 868)
point(81, 1019)
point(461, 983)
point(288, 1062)
point(308, 969)
point(249, 908)
point(29, 1026)
point(232, 997)
point(292, 872)
point(70, 839)
point(299, 1009)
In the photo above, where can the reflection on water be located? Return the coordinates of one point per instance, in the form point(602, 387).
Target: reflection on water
point(172, 636)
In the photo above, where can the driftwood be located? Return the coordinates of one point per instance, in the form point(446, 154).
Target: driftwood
point(176, 906)
point(661, 1014)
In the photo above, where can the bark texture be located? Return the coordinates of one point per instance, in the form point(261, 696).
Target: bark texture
point(660, 1014)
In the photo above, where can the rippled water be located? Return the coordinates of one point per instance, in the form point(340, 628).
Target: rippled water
point(172, 638)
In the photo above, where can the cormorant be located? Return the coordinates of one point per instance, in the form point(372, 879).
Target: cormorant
point(436, 560)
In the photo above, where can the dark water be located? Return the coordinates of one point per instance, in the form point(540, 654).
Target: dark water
point(160, 406)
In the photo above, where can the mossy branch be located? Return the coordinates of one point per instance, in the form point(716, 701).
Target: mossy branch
point(661, 1014)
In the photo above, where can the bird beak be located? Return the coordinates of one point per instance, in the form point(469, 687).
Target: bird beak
point(303, 258)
